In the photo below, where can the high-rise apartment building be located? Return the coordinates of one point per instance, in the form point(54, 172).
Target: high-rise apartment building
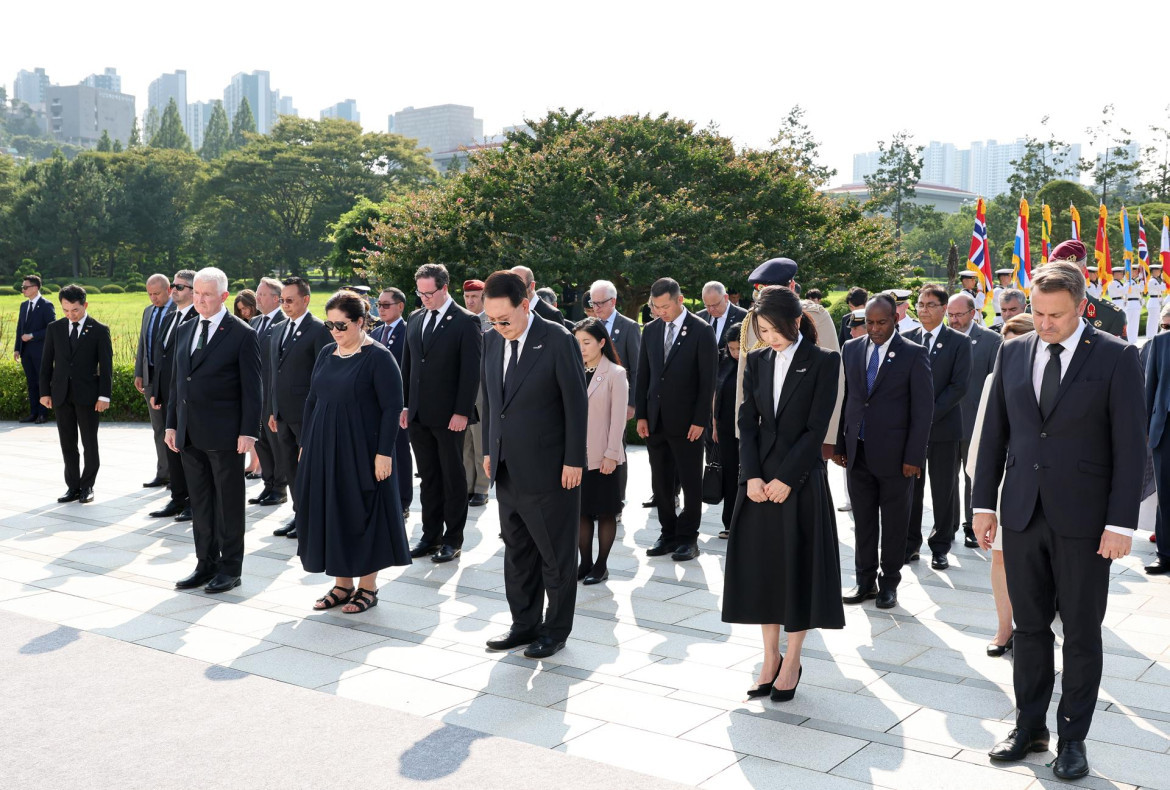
point(255, 88)
point(198, 116)
point(345, 110)
point(444, 129)
point(30, 87)
point(78, 114)
point(107, 81)
point(165, 88)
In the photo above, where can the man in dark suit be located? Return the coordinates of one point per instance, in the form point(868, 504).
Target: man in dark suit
point(675, 391)
point(275, 490)
point(158, 289)
point(36, 313)
point(164, 357)
point(1065, 432)
point(293, 346)
point(532, 372)
point(626, 336)
point(1157, 369)
point(538, 305)
point(75, 372)
point(963, 317)
point(440, 373)
point(212, 413)
point(391, 333)
point(719, 312)
point(477, 482)
point(881, 441)
point(950, 370)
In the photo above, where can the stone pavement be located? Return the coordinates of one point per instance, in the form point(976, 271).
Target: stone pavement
point(652, 681)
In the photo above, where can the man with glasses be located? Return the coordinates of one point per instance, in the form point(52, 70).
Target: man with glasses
point(36, 313)
point(268, 292)
point(440, 373)
point(963, 317)
point(158, 290)
point(949, 354)
point(392, 334)
point(477, 482)
point(719, 312)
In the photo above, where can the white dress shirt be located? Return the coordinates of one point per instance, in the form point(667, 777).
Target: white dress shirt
point(180, 314)
point(215, 322)
point(780, 368)
point(678, 322)
point(271, 319)
point(882, 350)
point(519, 348)
point(80, 329)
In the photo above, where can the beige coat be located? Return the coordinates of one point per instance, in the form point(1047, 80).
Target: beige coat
point(609, 391)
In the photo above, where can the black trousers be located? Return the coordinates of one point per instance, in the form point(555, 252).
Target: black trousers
point(674, 458)
point(1042, 567)
point(728, 454)
point(404, 468)
point(216, 478)
point(30, 360)
point(158, 424)
point(942, 462)
point(881, 514)
point(179, 490)
point(269, 469)
point(443, 483)
point(968, 515)
point(74, 419)
point(287, 448)
point(1162, 480)
point(540, 555)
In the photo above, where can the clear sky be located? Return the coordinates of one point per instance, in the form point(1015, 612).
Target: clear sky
point(947, 71)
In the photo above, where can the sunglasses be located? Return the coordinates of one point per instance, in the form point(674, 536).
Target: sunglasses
point(180, 286)
point(288, 301)
point(337, 326)
point(1164, 327)
point(388, 305)
point(499, 323)
point(26, 287)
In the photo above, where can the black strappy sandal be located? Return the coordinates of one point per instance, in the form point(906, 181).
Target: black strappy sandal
point(332, 599)
point(363, 599)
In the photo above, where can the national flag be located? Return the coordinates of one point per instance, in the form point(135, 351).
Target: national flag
point(1143, 252)
point(1127, 243)
point(1164, 253)
point(979, 256)
point(1022, 252)
point(1076, 221)
point(1045, 231)
point(1101, 250)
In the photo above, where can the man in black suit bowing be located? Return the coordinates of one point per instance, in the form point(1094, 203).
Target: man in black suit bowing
point(35, 315)
point(292, 351)
point(881, 441)
point(275, 490)
point(75, 372)
point(213, 413)
point(532, 374)
point(536, 304)
point(719, 312)
point(949, 355)
point(158, 289)
point(440, 373)
point(1065, 431)
point(392, 334)
point(675, 391)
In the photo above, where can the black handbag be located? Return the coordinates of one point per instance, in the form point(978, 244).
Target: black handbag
point(713, 483)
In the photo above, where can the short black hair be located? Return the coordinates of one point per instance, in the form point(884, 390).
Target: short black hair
point(505, 284)
point(355, 307)
point(72, 293)
point(35, 279)
point(300, 282)
point(857, 296)
point(435, 271)
point(935, 290)
point(815, 293)
point(399, 296)
point(667, 286)
point(885, 299)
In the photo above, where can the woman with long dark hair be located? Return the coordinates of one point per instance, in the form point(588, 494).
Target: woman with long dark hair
point(601, 492)
point(783, 566)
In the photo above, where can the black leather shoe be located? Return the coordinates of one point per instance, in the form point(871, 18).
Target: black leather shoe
point(477, 500)
point(173, 508)
point(785, 695)
point(281, 532)
point(72, 495)
point(650, 503)
point(1071, 761)
point(886, 599)
point(939, 562)
point(266, 491)
point(593, 578)
point(158, 482)
point(196, 579)
point(544, 647)
point(29, 418)
point(421, 549)
point(253, 476)
point(222, 583)
point(185, 515)
point(292, 534)
point(86, 496)
point(40, 420)
point(995, 651)
point(1019, 743)
point(911, 557)
point(446, 554)
point(511, 639)
point(686, 551)
point(660, 547)
point(1159, 565)
point(859, 594)
point(970, 542)
point(273, 498)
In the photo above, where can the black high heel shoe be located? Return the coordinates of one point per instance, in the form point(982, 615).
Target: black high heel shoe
point(764, 689)
point(995, 651)
point(786, 695)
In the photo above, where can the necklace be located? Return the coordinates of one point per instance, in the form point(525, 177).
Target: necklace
point(590, 369)
point(355, 351)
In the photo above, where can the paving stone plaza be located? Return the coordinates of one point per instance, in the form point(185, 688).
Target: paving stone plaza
point(116, 679)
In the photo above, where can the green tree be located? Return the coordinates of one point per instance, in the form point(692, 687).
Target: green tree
point(1156, 183)
point(795, 143)
point(65, 208)
point(1114, 166)
point(104, 144)
point(891, 187)
point(1043, 161)
point(243, 125)
point(150, 126)
point(217, 138)
point(350, 237)
point(117, 146)
point(170, 131)
point(135, 135)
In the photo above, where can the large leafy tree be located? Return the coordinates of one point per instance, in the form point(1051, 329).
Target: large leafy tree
point(170, 131)
point(243, 124)
point(1042, 161)
point(217, 138)
point(1115, 170)
point(891, 186)
point(64, 206)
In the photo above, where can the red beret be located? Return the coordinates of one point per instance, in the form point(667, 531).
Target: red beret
point(472, 285)
point(1071, 250)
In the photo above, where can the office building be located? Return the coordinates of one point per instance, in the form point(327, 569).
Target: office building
point(255, 88)
point(31, 87)
point(444, 129)
point(107, 81)
point(165, 88)
point(283, 105)
point(345, 110)
point(198, 116)
point(78, 114)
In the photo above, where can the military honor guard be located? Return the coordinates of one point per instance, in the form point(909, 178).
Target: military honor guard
point(1134, 287)
point(1118, 289)
point(901, 297)
point(1094, 286)
point(1003, 282)
point(970, 286)
point(1155, 291)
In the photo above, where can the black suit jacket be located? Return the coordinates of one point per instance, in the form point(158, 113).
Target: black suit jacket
point(783, 442)
point(81, 374)
point(950, 372)
point(216, 395)
point(984, 350)
point(144, 362)
point(675, 392)
point(397, 340)
point(1085, 461)
point(549, 313)
point(627, 342)
point(548, 406)
point(291, 371)
point(734, 315)
point(897, 413)
point(1157, 352)
point(264, 338)
point(442, 376)
point(164, 354)
point(34, 324)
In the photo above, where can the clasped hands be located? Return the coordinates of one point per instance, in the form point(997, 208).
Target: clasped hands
point(694, 433)
point(773, 491)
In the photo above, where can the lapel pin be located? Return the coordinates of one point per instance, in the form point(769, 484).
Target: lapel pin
point(939, 345)
point(890, 356)
point(802, 370)
point(537, 348)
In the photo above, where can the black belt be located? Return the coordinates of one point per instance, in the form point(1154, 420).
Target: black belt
point(1133, 299)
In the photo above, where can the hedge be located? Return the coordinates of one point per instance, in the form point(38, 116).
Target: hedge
point(113, 288)
point(133, 288)
point(126, 403)
point(8, 290)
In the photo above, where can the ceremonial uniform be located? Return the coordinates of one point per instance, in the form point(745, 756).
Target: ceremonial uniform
point(1117, 291)
point(1102, 314)
point(1133, 309)
point(901, 298)
point(1094, 287)
point(1156, 290)
point(980, 300)
point(996, 295)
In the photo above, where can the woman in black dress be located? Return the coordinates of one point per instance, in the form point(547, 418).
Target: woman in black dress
point(783, 564)
point(348, 515)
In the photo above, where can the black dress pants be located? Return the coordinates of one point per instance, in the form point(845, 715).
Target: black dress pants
point(675, 458)
point(1162, 480)
point(73, 419)
point(1042, 567)
point(443, 484)
point(404, 468)
point(287, 446)
point(179, 491)
point(942, 462)
point(216, 479)
point(968, 515)
point(540, 555)
point(270, 471)
point(30, 360)
point(728, 454)
point(881, 515)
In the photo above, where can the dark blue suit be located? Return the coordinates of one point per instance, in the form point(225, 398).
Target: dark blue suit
point(31, 351)
point(396, 342)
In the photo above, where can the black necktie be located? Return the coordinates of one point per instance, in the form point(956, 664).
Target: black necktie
point(73, 335)
point(926, 341)
point(287, 334)
point(154, 319)
point(515, 346)
point(263, 324)
point(206, 322)
point(429, 329)
point(1050, 384)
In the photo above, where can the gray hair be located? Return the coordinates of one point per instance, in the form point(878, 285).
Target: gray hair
point(186, 275)
point(715, 287)
point(158, 279)
point(1018, 296)
point(271, 283)
point(217, 276)
point(1060, 276)
point(611, 289)
point(548, 295)
point(1165, 311)
point(965, 298)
